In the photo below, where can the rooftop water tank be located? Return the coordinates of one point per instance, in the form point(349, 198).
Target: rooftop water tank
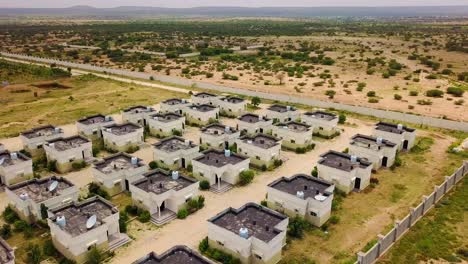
point(134, 160)
point(61, 221)
point(379, 140)
point(244, 232)
point(14, 155)
point(353, 158)
point(227, 153)
point(24, 196)
point(400, 127)
point(300, 194)
point(175, 175)
point(57, 130)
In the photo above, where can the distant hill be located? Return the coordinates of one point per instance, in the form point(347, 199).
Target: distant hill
point(142, 11)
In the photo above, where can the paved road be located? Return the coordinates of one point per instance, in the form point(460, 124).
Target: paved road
point(416, 119)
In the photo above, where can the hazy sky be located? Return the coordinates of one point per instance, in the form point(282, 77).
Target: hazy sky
point(249, 3)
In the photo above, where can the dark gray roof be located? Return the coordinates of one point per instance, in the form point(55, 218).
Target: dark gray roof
point(342, 161)
point(6, 158)
point(77, 214)
point(175, 101)
point(139, 109)
point(123, 129)
point(252, 118)
point(217, 129)
point(203, 107)
point(321, 115)
point(392, 128)
point(371, 140)
point(95, 119)
point(204, 95)
point(281, 108)
point(62, 144)
point(233, 99)
point(174, 143)
point(175, 255)
point(261, 140)
point(294, 126)
point(260, 221)
point(217, 158)
point(6, 252)
point(160, 181)
point(47, 130)
point(38, 189)
point(166, 117)
point(310, 186)
point(117, 162)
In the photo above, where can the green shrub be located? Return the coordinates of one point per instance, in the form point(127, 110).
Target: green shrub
point(153, 165)
point(204, 185)
point(216, 254)
point(94, 256)
point(20, 225)
point(9, 215)
point(144, 216)
point(371, 94)
point(373, 100)
point(341, 118)
point(95, 190)
point(123, 221)
point(182, 213)
point(176, 132)
point(132, 210)
point(190, 168)
point(455, 91)
point(5, 231)
point(314, 172)
point(52, 166)
point(413, 93)
point(264, 203)
point(277, 163)
point(330, 93)
point(78, 165)
point(49, 249)
point(297, 226)
point(334, 219)
point(34, 254)
point(246, 177)
point(397, 97)
point(434, 93)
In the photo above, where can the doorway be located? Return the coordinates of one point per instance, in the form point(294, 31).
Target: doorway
point(183, 162)
point(405, 144)
point(357, 184)
point(127, 185)
point(226, 145)
point(384, 161)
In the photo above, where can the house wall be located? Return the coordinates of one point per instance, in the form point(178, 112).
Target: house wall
point(259, 156)
point(320, 126)
point(228, 173)
point(231, 109)
point(179, 108)
point(284, 116)
point(201, 118)
point(374, 155)
point(207, 100)
point(31, 144)
point(217, 141)
point(291, 139)
point(123, 142)
point(67, 157)
point(173, 160)
point(115, 183)
point(165, 128)
point(254, 128)
point(16, 173)
point(397, 138)
point(136, 118)
point(344, 180)
point(92, 130)
point(30, 211)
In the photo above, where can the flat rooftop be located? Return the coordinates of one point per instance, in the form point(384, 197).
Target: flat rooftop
point(175, 255)
point(62, 144)
point(218, 129)
point(232, 99)
point(294, 126)
point(261, 140)
point(139, 109)
point(203, 108)
point(160, 181)
point(372, 141)
point(342, 161)
point(11, 158)
point(260, 221)
point(204, 95)
point(166, 117)
point(321, 115)
point(392, 128)
point(38, 189)
point(217, 158)
point(95, 119)
point(281, 108)
point(117, 162)
point(122, 129)
point(6, 252)
point(175, 101)
point(42, 131)
point(174, 143)
point(77, 214)
point(310, 186)
point(252, 118)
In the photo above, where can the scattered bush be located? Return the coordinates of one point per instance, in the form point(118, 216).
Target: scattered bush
point(49, 249)
point(216, 254)
point(330, 93)
point(94, 256)
point(314, 172)
point(182, 213)
point(204, 185)
point(413, 93)
point(424, 102)
point(34, 254)
point(334, 219)
point(371, 94)
point(5, 231)
point(246, 177)
point(455, 91)
point(9, 215)
point(373, 100)
point(297, 226)
point(144, 217)
point(341, 118)
point(434, 93)
point(94, 189)
point(153, 165)
point(78, 165)
point(397, 97)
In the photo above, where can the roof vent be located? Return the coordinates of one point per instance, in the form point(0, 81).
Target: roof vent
point(109, 130)
point(353, 158)
point(14, 155)
point(148, 108)
point(52, 145)
point(91, 222)
point(300, 194)
point(61, 221)
point(57, 130)
point(107, 118)
point(175, 175)
point(379, 140)
point(288, 107)
point(244, 232)
point(227, 129)
point(24, 196)
point(400, 127)
point(187, 142)
point(227, 153)
point(134, 160)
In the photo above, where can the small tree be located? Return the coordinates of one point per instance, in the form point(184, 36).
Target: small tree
point(144, 217)
point(34, 254)
point(256, 101)
point(182, 213)
point(246, 177)
point(204, 185)
point(330, 93)
point(94, 256)
point(341, 118)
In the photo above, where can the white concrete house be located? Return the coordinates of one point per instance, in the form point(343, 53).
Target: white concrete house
point(137, 114)
point(163, 193)
point(175, 153)
point(201, 114)
point(121, 137)
point(205, 98)
point(92, 126)
point(175, 255)
point(166, 124)
point(282, 113)
point(174, 105)
point(323, 123)
point(115, 173)
point(7, 254)
point(14, 167)
point(34, 139)
point(347, 172)
point(379, 151)
point(253, 124)
point(231, 106)
point(262, 149)
point(293, 134)
point(399, 134)
point(66, 151)
point(220, 168)
point(252, 233)
point(77, 227)
point(302, 195)
point(26, 197)
point(218, 136)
